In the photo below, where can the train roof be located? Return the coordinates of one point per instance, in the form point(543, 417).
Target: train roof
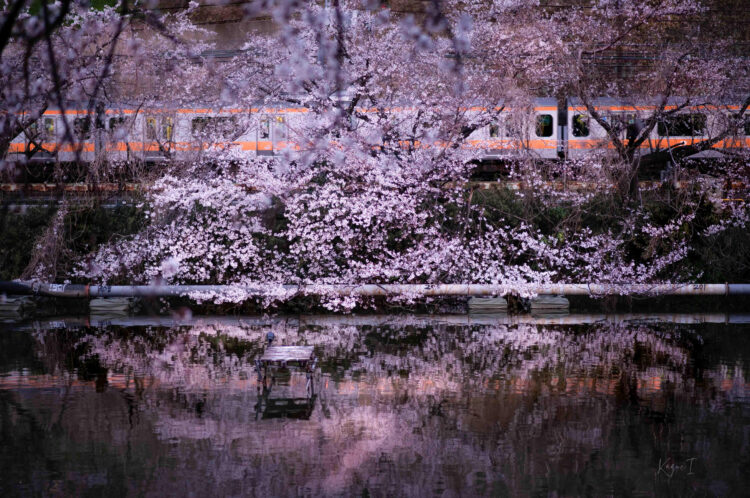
point(545, 101)
point(268, 107)
point(646, 103)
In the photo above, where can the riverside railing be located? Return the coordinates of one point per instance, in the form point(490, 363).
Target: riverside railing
point(371, 290)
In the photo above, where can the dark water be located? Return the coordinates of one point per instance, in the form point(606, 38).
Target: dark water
point(399, 406)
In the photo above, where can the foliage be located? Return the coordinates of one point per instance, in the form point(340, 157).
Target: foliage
point(18, 238)
point(84, 228)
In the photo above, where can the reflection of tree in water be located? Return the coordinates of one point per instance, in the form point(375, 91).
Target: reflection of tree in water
point(431, 407)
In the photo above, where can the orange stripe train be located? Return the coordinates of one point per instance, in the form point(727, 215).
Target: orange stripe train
point(544, 130)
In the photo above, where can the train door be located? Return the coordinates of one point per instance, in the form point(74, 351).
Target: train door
point(562, 129)
point(159, 137)
point(41, 139)
point(100, 133)
point(279, 133)
point(83, 134)
point(516, 131)
point(264, 143)
point(580, 135)
point(117, 145)
point(544, 139)
point(740, 135)
point(271, 135)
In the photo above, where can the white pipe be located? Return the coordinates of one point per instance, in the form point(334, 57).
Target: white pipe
point(365, 290)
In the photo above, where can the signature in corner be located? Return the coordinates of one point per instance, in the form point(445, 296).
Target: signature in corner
point(669, 467)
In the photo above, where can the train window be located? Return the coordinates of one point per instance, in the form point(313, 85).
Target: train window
point(494, 130)
point(265, 128)
point(741, 128)
point(32, 131)
point(544, 126)
point(620, 123)
point(581, 125)
point(151, 128)
point(167, 127)
point(514, 128)
point(82, 127)
point(215, 127)
point(682, 125)
point(198, 126)
point(115, 123)
point(49, 127)
point(227, 127)
point(280, 131)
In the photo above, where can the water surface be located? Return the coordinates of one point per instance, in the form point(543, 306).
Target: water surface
point(399, 406)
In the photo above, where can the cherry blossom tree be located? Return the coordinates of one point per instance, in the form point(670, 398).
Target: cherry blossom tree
point(677, 73)
point(64, 52)
point(371, 185)
point(69, 56)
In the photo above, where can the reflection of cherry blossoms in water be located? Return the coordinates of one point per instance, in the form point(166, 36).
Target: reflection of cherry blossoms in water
point(409, 408)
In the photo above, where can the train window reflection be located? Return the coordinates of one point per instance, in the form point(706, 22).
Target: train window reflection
point(280, 129)
point(265, 128)
point(198, 126)
point(494, 130)
point(682, 125)
point(214, 127)
point(49, 127)
point(544, 126)
point(115, 123)
point(82, 127)
point(581, 125)
point(151, 128)
point(33, 130)
point(514, 128)
point(167, 127)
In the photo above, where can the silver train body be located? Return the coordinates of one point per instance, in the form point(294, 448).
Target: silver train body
point(542, 130)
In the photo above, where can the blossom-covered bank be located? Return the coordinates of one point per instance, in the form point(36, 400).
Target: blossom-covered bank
point(252, 226)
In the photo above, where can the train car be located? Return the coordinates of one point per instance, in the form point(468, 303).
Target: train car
point(687, 125)
point(153, 135)
point(71, 135)
point(40, 142)
point(121, 135)
point(531, 131)
point(252, 132)
point(539, 130)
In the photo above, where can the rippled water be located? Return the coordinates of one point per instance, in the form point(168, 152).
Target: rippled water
point(399, 406)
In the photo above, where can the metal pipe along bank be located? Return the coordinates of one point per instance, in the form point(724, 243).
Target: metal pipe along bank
point(365, 290)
